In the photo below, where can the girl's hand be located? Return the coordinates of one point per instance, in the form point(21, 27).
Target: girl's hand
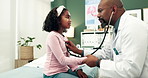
point(72, 47)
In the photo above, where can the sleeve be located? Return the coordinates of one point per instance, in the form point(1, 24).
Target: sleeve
point(130, 62)
point(55, 46)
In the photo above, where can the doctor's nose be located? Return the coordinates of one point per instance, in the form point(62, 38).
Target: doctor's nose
point(98, 15)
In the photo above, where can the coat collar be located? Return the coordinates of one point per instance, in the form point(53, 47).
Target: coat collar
point(121, 25)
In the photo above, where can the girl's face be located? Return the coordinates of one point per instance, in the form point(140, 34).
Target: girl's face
point(66, 20)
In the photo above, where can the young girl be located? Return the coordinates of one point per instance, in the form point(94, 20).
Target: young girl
point(58, 63)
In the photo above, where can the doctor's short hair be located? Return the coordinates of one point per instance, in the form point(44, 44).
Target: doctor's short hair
point(118, 3)
point(53, 21)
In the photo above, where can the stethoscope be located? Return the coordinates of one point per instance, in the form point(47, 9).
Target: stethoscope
point(106, 31)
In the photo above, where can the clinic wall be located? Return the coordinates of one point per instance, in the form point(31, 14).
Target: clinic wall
point(20, 18)
point(57, 3)
point(7, 35)
point(135, 4)
point(77, 9)
point(31, 15)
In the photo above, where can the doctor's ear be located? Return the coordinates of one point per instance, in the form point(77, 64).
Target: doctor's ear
point(112, 12)
point(114, 9)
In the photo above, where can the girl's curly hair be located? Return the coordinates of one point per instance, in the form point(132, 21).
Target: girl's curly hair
point(52, 21)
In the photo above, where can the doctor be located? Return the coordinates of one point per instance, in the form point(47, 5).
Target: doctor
point(127, 54)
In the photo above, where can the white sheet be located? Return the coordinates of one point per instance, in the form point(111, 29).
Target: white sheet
point(23, 72)
point(38, 63)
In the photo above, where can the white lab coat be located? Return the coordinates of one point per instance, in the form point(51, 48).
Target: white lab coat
point(131, 43)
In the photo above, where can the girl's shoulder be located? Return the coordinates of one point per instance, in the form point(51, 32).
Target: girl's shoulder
point(54, 34)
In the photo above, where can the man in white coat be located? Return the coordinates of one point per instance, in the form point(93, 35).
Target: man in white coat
point(127, 54)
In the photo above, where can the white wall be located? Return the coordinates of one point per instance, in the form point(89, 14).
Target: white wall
point(20, 18)
point(6, 37)
point(31, 15)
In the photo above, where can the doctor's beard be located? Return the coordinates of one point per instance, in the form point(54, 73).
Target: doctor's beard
point(103, 22)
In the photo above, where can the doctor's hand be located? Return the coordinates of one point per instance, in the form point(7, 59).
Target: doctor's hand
point(91, 60)
point(72, 47)
point(81, 74)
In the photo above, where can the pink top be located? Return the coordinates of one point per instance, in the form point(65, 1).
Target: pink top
point(58, 59)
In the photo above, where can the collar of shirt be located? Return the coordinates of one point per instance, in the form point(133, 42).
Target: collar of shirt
point(116, 25)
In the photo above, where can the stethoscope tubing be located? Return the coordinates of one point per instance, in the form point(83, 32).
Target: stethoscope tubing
point(104, 35)
point(101, 42)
